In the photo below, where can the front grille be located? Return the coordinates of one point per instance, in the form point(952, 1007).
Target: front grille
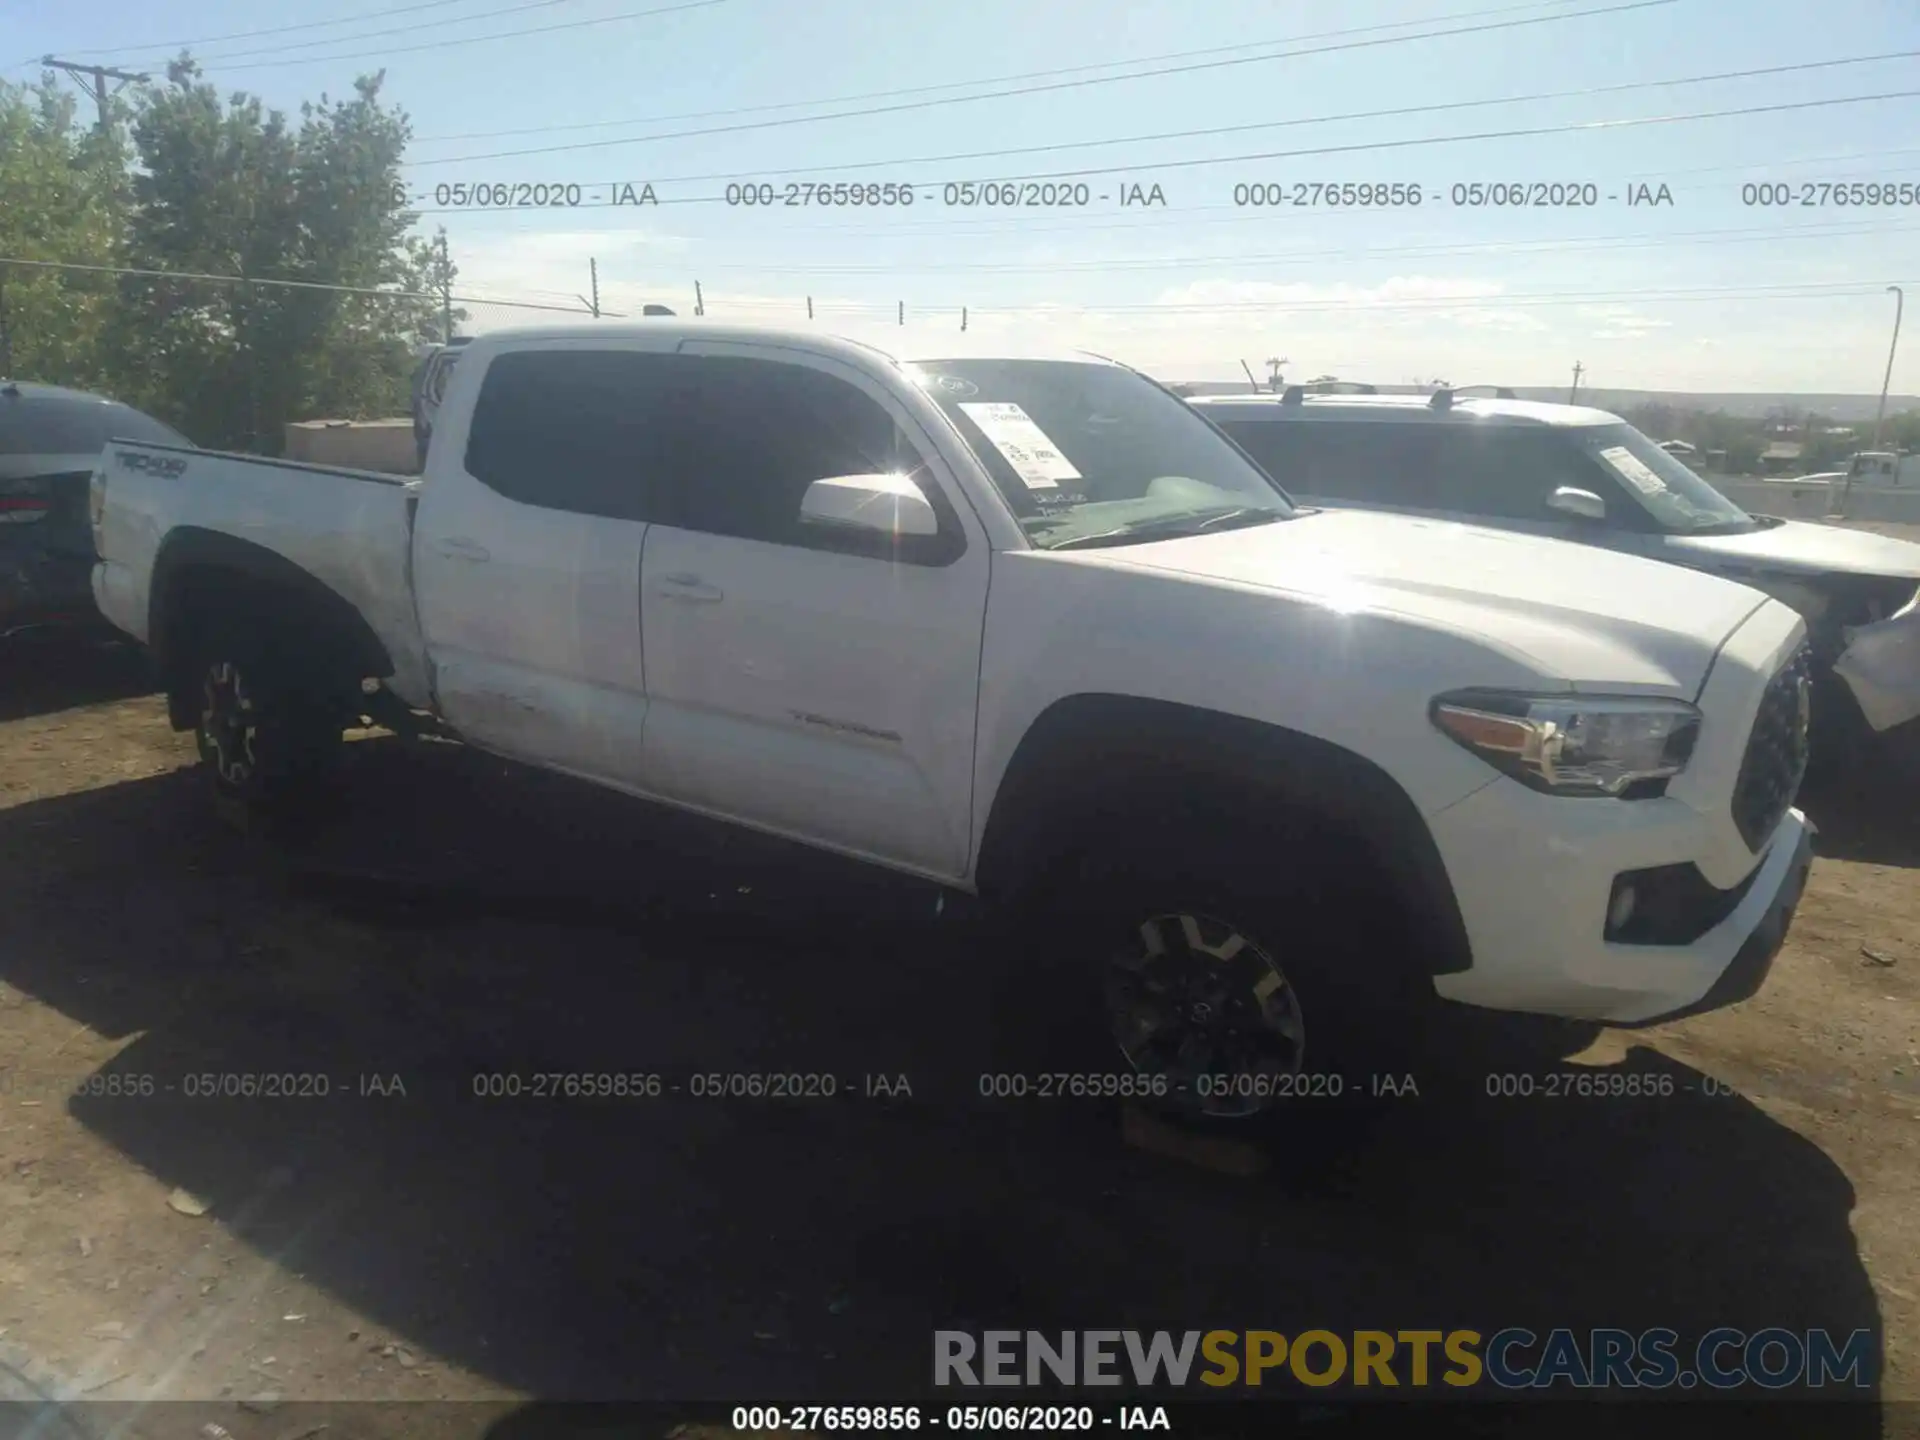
point(1776, 757)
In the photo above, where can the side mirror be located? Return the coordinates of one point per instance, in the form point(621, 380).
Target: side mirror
point(889, 505)
point(1580, 504)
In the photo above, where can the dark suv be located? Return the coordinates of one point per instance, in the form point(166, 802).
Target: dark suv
point(50, 440)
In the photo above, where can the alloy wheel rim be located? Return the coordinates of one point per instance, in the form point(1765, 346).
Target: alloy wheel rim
point(1197, 1002)
point(228, 722)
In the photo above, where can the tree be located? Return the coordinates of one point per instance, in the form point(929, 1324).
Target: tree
point(231, 188)
point(61, 200)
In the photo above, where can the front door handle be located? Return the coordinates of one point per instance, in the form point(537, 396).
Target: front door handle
point(688, 587)
point(458, 547)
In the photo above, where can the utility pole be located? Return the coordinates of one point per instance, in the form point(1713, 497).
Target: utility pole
point(1899, 304)
point(93, 79)
point(446, 292)
point(1578, 371)
point(593, 277)
point(699, 300)
point(6, 335)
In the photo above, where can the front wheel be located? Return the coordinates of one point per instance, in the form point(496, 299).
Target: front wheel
point(1235, 986)
point(1205, 1014)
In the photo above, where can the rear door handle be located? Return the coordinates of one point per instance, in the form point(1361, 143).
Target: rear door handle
point(458, 547)
point(688, 587)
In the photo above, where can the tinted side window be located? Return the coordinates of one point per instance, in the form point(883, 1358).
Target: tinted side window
point(571, 429)
point(1380, 464)
point(751, 435)
point(721, 445)
point(1503, 471)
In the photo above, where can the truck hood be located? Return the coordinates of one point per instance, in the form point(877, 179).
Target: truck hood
point(1801, 547)
point(1578, 617)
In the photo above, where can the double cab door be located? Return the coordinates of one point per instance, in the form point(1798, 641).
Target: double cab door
point(614, 579)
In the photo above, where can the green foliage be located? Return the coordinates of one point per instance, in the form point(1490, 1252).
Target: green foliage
point(61, 198)
point(222, 187)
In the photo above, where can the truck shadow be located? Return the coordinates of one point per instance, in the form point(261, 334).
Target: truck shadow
point(667, 1246)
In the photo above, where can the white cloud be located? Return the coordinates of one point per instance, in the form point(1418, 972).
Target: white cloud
point(1621, 322)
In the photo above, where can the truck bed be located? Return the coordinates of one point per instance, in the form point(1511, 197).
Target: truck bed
point(351, 530)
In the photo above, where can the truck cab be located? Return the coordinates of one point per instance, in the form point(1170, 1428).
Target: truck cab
point(1875, 469)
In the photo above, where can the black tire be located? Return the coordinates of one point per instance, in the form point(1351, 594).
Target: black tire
point(1290, 958)
point(267, 744)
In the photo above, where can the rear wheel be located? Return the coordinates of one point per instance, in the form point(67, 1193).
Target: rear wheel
point(267, 745)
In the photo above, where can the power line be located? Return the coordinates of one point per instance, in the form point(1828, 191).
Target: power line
point(1581, 245)
point(380, 14)
point(1525, 300)
point(1356, 147)
point(985, 80)
point(1586, 125)
point(1051, 86)
point(434, 295)
point(1806, 291)
point(372, 34)
point(481, 39)
point(1216, 130)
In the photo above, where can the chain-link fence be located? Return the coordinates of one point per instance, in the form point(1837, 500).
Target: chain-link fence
point(233, 360)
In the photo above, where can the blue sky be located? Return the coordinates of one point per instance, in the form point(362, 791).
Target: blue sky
point(1705, 293)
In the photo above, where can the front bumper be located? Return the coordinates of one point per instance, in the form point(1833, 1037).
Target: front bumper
point(1752, 962)
point(1539, 946)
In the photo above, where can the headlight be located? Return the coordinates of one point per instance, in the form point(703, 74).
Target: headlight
point(1569, 744)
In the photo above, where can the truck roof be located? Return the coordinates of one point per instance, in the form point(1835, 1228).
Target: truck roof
point(915, 343)
point(1409, 408)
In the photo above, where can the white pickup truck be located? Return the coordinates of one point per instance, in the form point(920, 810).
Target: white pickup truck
point(1273, 784)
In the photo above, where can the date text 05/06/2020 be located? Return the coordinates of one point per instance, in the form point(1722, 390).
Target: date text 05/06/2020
point(751, 194)
point(1271, 194)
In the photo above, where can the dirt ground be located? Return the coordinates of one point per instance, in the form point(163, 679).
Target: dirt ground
point(401, 1238)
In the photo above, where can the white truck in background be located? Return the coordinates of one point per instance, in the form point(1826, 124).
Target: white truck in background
point(1276, 786)
point(1882, 470)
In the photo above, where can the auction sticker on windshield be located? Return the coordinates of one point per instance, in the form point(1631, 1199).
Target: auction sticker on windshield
point(1034, 458)
point(1630, 468)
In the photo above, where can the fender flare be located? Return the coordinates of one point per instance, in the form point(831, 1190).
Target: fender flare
point(195, 564)
point(1083, 749)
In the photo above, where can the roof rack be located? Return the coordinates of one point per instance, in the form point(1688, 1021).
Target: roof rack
point(1500, 392)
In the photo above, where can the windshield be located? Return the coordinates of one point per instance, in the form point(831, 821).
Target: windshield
point(1092, 454)
point(1676, 498)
